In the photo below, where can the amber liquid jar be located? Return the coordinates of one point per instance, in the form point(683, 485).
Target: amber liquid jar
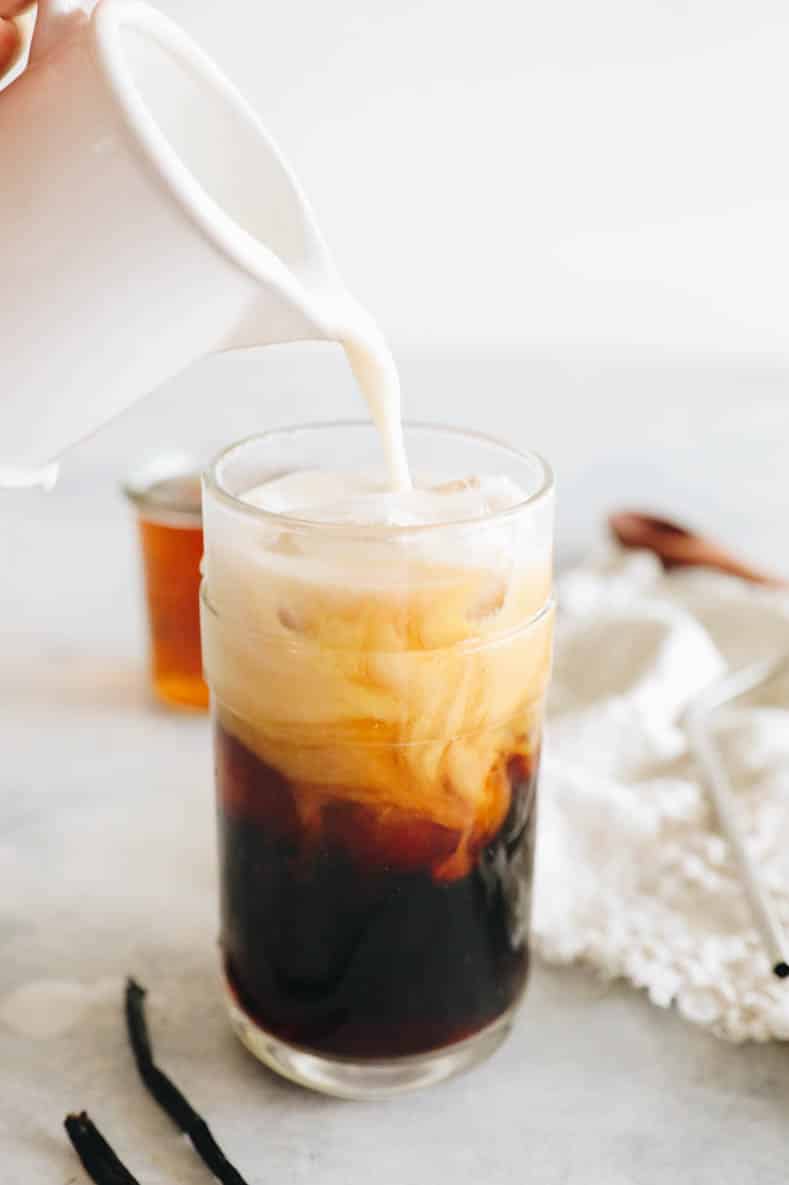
point(167, 502)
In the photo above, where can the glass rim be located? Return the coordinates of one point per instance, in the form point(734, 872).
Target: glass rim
point(213, 483)
point(139, 487)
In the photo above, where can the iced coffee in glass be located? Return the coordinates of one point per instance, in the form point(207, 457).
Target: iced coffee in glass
point(378, 664)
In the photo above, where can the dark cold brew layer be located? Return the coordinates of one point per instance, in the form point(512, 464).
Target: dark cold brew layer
point(355, 931)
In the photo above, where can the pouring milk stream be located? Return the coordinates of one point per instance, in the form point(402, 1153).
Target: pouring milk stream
point(149, 220)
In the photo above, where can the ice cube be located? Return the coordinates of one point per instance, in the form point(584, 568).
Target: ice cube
point(481, 495)
point(307, 490)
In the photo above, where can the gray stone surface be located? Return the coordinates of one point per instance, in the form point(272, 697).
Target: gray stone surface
point(106, 846)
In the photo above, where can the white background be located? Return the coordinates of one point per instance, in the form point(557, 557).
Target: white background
point(523, 174)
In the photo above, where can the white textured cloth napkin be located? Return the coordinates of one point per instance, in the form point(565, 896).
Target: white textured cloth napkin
point(633, 877)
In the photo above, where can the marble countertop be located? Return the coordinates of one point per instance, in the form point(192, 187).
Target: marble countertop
point(107, 862)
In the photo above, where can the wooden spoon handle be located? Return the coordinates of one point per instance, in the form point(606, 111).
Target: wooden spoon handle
point(677, 547)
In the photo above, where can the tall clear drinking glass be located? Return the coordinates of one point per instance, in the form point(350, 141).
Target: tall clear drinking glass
point(378, 697)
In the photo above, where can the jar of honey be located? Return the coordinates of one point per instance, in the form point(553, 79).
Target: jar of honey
point(167, 498)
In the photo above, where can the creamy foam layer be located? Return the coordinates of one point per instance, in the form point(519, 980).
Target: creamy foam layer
point(402, 674)
point(319, 495)
point(458, 580)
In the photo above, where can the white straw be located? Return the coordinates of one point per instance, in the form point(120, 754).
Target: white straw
point(716, 779)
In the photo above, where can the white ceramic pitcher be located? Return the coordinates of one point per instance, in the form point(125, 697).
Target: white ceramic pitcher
point(146, 219)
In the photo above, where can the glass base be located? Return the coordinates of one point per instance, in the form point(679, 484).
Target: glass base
point(380, 1078)
point(187, 692)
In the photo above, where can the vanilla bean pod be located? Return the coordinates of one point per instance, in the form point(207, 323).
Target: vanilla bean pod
point(98, 1159)
point(167, 1094)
